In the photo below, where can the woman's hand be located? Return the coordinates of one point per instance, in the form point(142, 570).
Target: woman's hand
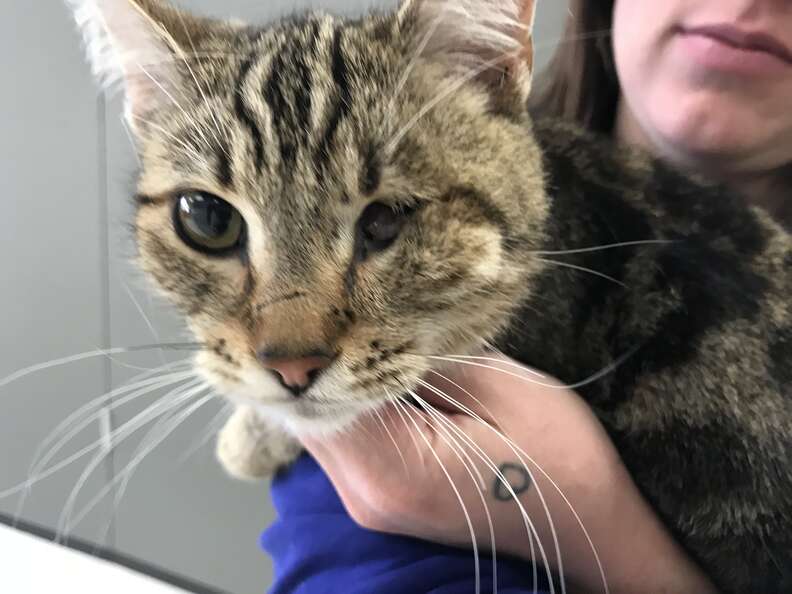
point(409, 471)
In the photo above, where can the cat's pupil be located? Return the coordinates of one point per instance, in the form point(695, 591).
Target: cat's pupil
point(210, 216)
point(208, 223)
point(380, 225)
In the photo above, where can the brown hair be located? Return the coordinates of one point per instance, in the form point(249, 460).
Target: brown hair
point(580, 82)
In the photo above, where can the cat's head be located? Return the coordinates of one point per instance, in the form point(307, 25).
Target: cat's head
point(331, 203)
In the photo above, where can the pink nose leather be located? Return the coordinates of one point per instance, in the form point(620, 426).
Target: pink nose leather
point(297, 374)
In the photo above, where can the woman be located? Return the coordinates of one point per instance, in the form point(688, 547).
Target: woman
point(705, 84)
point(680, 80)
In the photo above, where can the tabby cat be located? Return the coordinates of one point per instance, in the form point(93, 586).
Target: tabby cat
point(330, 202)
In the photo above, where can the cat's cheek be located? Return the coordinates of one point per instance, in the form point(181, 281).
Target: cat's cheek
point(207, 366)
point(487, 243)
point(200, 290)
point(196, 284)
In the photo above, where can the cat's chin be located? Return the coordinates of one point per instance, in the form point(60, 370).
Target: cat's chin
point(312, 418)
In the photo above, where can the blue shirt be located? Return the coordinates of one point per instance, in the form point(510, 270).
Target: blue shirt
point(318, 549)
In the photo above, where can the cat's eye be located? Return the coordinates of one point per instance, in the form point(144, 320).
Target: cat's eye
point(380, 225)
point(208, 224)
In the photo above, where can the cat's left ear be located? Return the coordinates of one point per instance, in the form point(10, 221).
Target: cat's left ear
point(137, 43)
point(490, 41)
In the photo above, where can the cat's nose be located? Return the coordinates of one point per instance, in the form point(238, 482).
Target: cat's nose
point(296, 374)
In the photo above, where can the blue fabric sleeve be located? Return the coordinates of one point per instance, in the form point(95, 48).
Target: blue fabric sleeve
point(318, 549)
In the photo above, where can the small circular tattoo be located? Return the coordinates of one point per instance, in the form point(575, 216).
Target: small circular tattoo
point(517, 478)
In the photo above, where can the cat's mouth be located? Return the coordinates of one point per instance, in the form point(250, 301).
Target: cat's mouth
point(336, 398)
point(322, 413)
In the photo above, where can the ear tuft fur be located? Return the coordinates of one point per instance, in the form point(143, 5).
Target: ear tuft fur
point(490, 36)
point(492, 26)
point(119, 39)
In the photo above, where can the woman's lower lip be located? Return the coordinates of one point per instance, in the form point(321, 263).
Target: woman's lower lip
point(714, 54)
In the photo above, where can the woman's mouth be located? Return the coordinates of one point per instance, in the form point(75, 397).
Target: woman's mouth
point(724, 47)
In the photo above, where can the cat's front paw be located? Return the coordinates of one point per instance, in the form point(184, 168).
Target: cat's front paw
point(251, 448)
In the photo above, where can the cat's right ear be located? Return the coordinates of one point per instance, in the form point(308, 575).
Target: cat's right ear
point(489, 42)
point(131, 42)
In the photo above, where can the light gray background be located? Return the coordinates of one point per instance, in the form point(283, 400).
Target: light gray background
point(67, 172)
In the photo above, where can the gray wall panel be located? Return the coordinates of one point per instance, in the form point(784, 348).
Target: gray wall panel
point(52, 237)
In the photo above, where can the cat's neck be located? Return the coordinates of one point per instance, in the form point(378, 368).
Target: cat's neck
point(770, 193)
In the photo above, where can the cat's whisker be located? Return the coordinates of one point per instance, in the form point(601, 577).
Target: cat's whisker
point(600, 248)
point(584, 250)
point(590, 379)
point(359, 425)
point(161, 422)
point(120, 363)
point(474, 543)
point(137, 458)
point(583, 269)
point(176, 370)
point(173, 398)
point(519, 452)
point(37, 475)
point(143, 315)
point(98, 444)
point(390, 435)
point(211, 430)
point(467, 463)
point(503, 361)
point(138, 389)
point(17, 375)
point(485, 408)
point(36, 464)
point(478, 476)
point(530, 380)
point(163, 419)
point(409, 431)
point(531, 528)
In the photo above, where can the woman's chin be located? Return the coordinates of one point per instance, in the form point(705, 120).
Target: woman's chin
point(720, 140)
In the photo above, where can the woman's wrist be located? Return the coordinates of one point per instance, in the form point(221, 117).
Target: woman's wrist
point(633, 549)
point(642, 556)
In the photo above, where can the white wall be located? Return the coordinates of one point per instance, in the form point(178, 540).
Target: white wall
point(67, 174)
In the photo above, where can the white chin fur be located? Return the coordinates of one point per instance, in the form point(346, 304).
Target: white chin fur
point(318, 424)
point(323, 427)
point(318, 418)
